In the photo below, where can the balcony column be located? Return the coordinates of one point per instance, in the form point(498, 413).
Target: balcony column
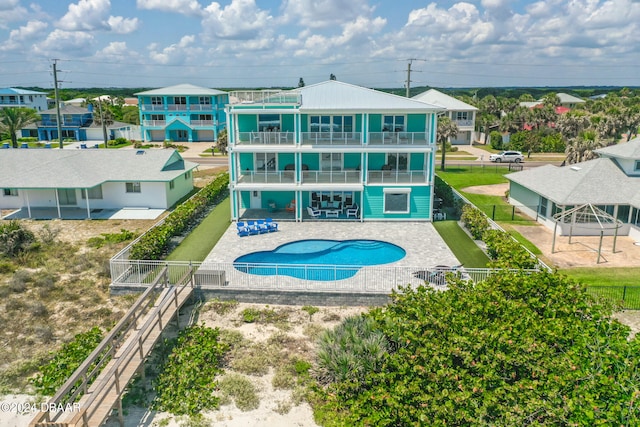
point(365, 125)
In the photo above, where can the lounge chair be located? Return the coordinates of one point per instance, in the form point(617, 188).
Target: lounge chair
point(313, 213)
point(262, 227)
point(252, 227)
point(272, 226)
point(242, 229)
point(352, 211)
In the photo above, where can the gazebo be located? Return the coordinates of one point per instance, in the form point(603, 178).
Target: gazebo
point(587, 216)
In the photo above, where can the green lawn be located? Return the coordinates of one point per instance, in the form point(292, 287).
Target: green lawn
point(465, 249)
point(460, 177)
point(619, 285)
point(197, 245)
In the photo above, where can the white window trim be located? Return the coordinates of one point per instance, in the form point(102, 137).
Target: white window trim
point(398, 190)
point(133, 187)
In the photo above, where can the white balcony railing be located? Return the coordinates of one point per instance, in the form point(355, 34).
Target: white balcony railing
point(265, 138)
point(464, 123)
point(154, 123)
point(264, 97)
point(201, 107)
point(331, 138)
point(152, 107)
point(398, 138)
point(201, 123)
point(262, 177)
point(397, 177)
point(331, 177)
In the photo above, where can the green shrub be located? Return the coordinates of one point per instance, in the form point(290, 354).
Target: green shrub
point(474, 221)
point(186, 383)
point(154, 244)
point(311, 310)
point(443, 191)
point(505, 252)
point(351, 351)
point(64, 362)
point(241, 390)
point(15, 238)
point(111, 238)
point(496, 140)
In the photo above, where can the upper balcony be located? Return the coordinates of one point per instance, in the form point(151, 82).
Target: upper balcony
point(265, 138)
point(331, 138)
point(264, 97)
point(399, 138)
point(464, 123)
point(335, 139)
point(177, 107)
point(397, 177)
point(154, 123)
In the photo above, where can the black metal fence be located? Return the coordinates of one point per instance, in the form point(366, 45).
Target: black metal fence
point(627, 297)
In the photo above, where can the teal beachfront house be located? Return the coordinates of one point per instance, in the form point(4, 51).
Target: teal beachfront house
point(331, 151)
point(182, 113)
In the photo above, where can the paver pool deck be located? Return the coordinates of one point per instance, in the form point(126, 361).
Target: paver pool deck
point(422, 243)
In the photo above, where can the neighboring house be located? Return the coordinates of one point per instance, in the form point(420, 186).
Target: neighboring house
point(182, 113)
point(21, 98)
point(611, 183)
point(331, 150)
point(78, 124)
point(567, 101)
point(93, 179)
point(461, 113)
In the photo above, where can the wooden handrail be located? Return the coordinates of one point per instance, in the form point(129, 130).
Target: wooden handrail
point(115, 336)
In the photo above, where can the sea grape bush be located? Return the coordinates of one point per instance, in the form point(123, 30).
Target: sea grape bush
point(154, 244)
point(474, 221)
point(64, 362)
point(505, 252)
point(187, 383)
point(516, 349)
point(14, 238)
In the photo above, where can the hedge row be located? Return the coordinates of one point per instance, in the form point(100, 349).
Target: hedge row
point(154, 244)
point(474, 221)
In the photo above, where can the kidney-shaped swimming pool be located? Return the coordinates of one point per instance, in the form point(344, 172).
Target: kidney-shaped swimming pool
point(322, 260)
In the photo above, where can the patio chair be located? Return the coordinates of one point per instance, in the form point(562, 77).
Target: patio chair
point(242, 229)
point(272, 226)
point(291, 207)
point(352, 211)
point(262, 227)
point(252, 227)
point(313, 213)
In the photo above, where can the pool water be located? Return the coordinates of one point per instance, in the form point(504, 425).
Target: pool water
point(322, 260)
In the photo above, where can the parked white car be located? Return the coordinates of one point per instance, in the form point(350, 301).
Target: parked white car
point(507, 156)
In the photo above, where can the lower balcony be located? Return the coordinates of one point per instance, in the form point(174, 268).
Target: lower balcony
point(399, 138)
point(331, 177)
point(154, 123)
point(331, 138)
point(265, 138)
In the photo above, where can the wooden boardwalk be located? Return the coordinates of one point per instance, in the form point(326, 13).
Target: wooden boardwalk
point(128, 357)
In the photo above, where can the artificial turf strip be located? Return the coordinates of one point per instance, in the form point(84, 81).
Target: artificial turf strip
point(462, 246)
point(197, 245)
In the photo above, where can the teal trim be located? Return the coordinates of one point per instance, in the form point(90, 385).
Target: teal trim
point(247, 123)
point(419, 203)
point(285, 159)
point(287, 122)
point(376, 161)
point(246, 161)
point(304, 123)
point(351, 160)
point(416, 161)
point(312, 160)
point(416, 122)
point(375, 123)
point(245, 199)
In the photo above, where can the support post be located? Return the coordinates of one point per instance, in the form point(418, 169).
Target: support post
point(120, 412)
point(553, 242)
point(615, 238)
point(600, 246)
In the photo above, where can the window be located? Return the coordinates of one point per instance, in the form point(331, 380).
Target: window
point(133, 187)
point(542, 208)
point(157, 117)
point(172, 185)
point(396, 200)
point(182, 135)
point(187, 175)
point(462, 115)
point(398, 161)
point(94, 193)
point(180, 100)
point(637, 167)
point(156, 100)
point(10, 192)
point(623, 213)
point(204, 100)
point(69, 134)
point(331, 123)
point(268, 122)
point(331, 162)
point(393, 124)
point(67, 119)
point(205, 117)
point(265, 161)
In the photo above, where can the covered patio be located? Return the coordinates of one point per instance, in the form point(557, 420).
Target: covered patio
point(72, 213)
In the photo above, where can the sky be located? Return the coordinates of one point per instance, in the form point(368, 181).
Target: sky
point(274, 43)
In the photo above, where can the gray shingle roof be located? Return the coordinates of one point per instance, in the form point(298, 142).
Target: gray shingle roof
point(335, 95)
point(435, 97)
point(626, 150)
point(599, 182)
point(75, 168)
point(182, 89)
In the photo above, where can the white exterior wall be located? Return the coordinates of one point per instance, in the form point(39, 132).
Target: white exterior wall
point(152, 195)
point(10, 202)
point(182, 187)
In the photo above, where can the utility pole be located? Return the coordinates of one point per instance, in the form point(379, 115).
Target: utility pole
point(408, 85)
point(57, 96)
point(104, 126)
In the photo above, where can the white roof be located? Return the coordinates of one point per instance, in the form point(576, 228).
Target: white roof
point(440, 99)
point(86, 168)
point(598, 181)
point(624, 150)
point(565, 98)
point(17, 91)
point(335, 95)
point(182, 89)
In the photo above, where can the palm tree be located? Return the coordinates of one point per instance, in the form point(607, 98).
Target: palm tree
point(222, 142)
point(14, 119)
point(447, 128)
point(582, 148)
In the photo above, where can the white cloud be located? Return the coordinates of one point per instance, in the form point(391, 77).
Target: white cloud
point(121, 25)
point(239, 20)
point(184, 7)
point(11, 11)
point(177, 53)
point(324, 13)
point(26, 33)
point(68, 43)
point(86, 15)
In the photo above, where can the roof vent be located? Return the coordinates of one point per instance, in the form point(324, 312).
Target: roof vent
point(575, 168)
point(139, 152)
